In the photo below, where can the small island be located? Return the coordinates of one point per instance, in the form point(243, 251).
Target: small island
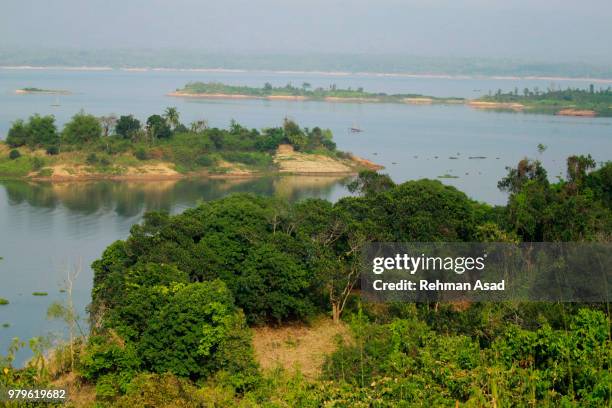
point(110, 147)
point(216, 90)
point(565, 102)
point(26, 91)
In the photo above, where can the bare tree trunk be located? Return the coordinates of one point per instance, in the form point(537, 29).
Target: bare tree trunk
point(336, 312)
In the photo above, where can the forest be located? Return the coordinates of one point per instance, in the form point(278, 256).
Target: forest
point(176, 304)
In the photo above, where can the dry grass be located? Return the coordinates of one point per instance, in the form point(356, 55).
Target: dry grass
point(298, 346)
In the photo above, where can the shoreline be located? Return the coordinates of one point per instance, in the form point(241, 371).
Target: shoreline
point(175, 177)
point(425, 100)
point(313, 72)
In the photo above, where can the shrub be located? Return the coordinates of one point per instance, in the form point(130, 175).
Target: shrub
point(52, 150)
point(37, 163)
point(205, 161)
point(14, 154)
point(92, 159)
point(141, 154)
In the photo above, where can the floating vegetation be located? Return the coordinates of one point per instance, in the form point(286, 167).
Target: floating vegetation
point(5, 325)
point(497, 158)
point(448, 176)
point(393, 163)
point(435, 157)
point(62, 290)
point(39, 294)
point(415, 156)
point(453, 158)
point(477, 157)
point(4, 301)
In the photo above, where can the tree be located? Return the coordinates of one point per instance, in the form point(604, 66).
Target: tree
point(82, 128)
point(127, 126)
point(42, 131)
point(525, 171)
point(158, 128)
point(18, 134)
point(198, 126)
point(172, 116)
point(108, 123)
point(370, 182)
point(192, 332)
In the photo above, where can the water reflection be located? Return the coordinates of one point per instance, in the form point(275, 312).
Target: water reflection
point(131, 198)
point(44, 226)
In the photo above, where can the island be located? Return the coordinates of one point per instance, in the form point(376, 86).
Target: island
point(589, 102)
point(109, 147)
point(216, 90)
point(30, 90)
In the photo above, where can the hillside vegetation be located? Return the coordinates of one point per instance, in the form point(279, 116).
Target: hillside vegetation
point(174, 305)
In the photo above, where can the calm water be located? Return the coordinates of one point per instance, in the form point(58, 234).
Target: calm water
point(44, 227)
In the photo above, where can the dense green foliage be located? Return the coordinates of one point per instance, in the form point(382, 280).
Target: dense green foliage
point(172, 302)
point(109, 144)
point(305, 91)
point(553, 100)
point(39, 131)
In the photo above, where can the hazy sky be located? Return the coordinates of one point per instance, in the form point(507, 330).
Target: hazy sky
point(543, 29)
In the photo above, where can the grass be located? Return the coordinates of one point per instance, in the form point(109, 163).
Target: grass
point(39, 293)
point(298, 346)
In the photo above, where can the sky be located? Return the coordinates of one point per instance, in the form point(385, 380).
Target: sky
point(562, 30)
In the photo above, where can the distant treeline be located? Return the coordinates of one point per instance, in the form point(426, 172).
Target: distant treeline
point(597, 100)
point(305, 90)
point(303, 62)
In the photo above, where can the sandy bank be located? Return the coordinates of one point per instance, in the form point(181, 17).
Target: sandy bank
point(235, 96)
point(291, 162)
point(496, 105)
point(287, 161)
point(577, 112)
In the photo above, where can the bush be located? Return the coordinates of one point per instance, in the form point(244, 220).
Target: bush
point(14, 154)
point(52, 150)
point(37, 163)
point(205, 161)
point(92, 159)
point(141, 154)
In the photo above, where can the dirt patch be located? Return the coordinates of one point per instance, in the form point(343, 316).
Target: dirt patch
point(298, 346)
point(577, 112)
point(290, 161)
point(147, 172)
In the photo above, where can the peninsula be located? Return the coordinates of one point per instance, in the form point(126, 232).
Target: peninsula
point(218, 90)
point(108, 147)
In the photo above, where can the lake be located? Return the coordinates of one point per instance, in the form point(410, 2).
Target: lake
point(45, 227)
